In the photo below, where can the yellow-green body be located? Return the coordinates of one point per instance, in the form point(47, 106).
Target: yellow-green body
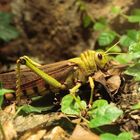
point(84, 67)
point(73, 73)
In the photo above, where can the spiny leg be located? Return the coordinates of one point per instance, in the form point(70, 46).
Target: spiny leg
point(91, 82)
point(49, 79)
point(18, 81)
point(34, 67)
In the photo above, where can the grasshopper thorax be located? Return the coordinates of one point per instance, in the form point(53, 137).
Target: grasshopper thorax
point(90, 61)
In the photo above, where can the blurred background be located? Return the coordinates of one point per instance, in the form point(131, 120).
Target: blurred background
point(50, 31)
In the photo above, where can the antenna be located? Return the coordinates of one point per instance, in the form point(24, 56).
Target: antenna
point(112, 46)
point(117, 53)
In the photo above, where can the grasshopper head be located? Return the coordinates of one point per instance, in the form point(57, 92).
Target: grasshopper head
point(101, 58)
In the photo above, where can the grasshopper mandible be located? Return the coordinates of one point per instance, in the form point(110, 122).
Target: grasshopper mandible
point(69, 74)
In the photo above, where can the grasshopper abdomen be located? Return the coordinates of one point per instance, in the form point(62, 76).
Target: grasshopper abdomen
point(34, 85)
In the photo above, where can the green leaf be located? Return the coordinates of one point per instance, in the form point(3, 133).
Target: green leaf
point(134, 48)
point(87, 21)
point(45, 108)
point(121, 136)
point(125, 136)
point(126, 41)
point(36, 98)
point(99, 26)
point(134, 18)
point(136, 12)
point(124, 58)
point(108, 136)
point(1, 100)
point(3, 91)
point(116, 48)
point(106, 38)
point(116, 10)
point(99, 103)
point(134, 35)
point(31, 109)
point(8, 32)
point(136, 106)
point(134, 71)
point(5, 18)
point(83, 105)
point(70, 106)
point(104, 115)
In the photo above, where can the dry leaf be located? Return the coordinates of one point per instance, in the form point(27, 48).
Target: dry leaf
point(80, 133)
point(23, 124)
point(100, 77)
point(57, 133)
point(11, 109)
point(113, 83)
point(33, 135)
point(9, 130)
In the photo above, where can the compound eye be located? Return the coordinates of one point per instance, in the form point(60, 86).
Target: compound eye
point(99, 56)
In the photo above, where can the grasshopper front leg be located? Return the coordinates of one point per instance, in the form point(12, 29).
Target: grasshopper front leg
point(91, 82)
point(78, 85)
point(34, 67)
point(73, 91)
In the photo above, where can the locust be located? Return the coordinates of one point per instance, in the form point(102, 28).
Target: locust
point(39, 79)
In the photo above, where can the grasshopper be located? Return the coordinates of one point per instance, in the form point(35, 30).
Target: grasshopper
point(69, 74)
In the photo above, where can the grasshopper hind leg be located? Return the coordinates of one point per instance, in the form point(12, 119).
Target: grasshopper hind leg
point(35, 67)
